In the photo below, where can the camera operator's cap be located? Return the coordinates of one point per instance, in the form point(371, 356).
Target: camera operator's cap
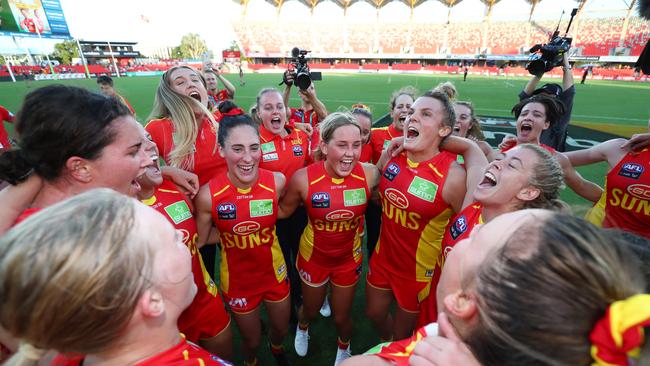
point(551, 88)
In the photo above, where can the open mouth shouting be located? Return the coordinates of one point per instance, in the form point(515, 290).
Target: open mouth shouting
point(489, 180)
point(346, 164)
point(412, 133)
point(276, 123)
point(195, 95)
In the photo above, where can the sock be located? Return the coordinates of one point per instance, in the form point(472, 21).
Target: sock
point(343, 345)
point(252, 363)
point(277, 349)
point(302, 326)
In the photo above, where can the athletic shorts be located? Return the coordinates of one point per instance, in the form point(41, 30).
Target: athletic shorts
point(248, 303)
point(408, 292)
point(204, 319)
point(316, 276)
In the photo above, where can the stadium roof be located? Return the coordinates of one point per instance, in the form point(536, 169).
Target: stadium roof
point(346, 3)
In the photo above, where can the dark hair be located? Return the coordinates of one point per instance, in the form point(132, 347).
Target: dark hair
point(362, 112)
point(554, 107)
point(227, 123)
point(546, 288)
point(449, 115)
point(105, 79)
point(55, 123)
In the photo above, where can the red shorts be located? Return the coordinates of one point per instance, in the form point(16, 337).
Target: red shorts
point(316, 276)
point(205, 318)
point(248, 303)
point(408, 292)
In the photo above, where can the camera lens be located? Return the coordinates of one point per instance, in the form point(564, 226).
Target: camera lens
point(302, 80)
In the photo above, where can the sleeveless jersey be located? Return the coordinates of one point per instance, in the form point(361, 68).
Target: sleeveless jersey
point(414, 215)
point(207, 161)
point(458, 229)
point(284, 155)
point(251, 258)
point(335, 208)
point(626, 199)
point(174, 206)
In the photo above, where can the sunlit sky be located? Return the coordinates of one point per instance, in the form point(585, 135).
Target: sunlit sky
point(168, 21)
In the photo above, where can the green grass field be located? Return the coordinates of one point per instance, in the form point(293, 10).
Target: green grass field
point(620, 108)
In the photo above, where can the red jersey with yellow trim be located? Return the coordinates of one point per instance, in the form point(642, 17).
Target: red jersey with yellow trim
point(299, 115)
point(458, 229)
point(126, 103)
point(380, 138)
point(335, 208)
point(399, 352)
point(546, 147)
point(5, 115)
point(219, 96)
point(251, 258)
point(183, 354)
point(207, 161)
point(626, 199)
point(284, 155)
point(366, 154)
point(414, 216)
point(173, 204)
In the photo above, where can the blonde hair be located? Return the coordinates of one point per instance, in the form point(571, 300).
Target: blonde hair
point(546, 288)
point(548, 177)
point(72, 285)
point(329, 125)
point(449, 89)
point(178, 108)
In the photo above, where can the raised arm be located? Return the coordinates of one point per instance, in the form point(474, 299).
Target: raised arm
point(584, 188)
point(611, 151)
point(230, 89)
point(475, 163)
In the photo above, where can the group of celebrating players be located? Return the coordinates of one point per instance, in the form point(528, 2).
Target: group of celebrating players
point(89, 276)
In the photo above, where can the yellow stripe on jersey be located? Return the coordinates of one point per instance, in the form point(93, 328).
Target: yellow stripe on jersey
point(306, 247)
point(429, 245)
point(186, 355)
point(356, 248)
point(596, 214)
point(149, 201)
point(411, 163)
point(279, 266)
point(201, 363)
point(207, 279)
point(267, 188)
point(222, 190)
point(224, 276)
point(244, 190)
point(424, 292)
point(358, 177)
point(169, 191)
point(317, 180)
point(338, 180)
point(435, 170)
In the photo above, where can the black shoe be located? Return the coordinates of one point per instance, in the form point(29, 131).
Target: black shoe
point(281, 359)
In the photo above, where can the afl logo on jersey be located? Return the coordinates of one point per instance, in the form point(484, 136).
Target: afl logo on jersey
point(320, 200)
point(297, 150)
point(459, 227)
point(227, 211)
point(397, 198)
point(640, 191)
point(246, 227)
point(631, 170)
point(391, 171)
point(340, 215)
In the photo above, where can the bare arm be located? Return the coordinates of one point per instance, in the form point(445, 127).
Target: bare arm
point(203, 203)
point(475, 163)
point(294, 194)
point(532, 84)
point(567, 75)
point(316, 104)
point(372, 178)
point(228, 85)
point(187, 182)
point(454, 192)
point(16, 199)
point(584, 188)
point(610, 151)
point(286, 93)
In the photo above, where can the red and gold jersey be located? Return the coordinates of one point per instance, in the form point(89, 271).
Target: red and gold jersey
point(218, 97)
point(546, 147)
point(366, 154)
point(126, 103)
point(5, 115)
point(284, 155)
point(380, 138)
point(301, 116)
point(173, 204)
point(335, 208)
point(207, 161)
point(458, 229)
point(626, 199)
point(182, 354)
point(399, 352)
point(414, 216)
point(251, 258)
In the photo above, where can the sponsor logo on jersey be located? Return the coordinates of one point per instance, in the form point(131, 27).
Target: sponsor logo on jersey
point(386, 143)
point(320, 200)
point(246, 227)
point(261, 208)
point(238, 302)
point(428, 273)
point(397, 198)
point(227, 211)
point(423, 189)
point(631, 170)
point(178, 212)
point(391, 171)
point(305, 276)
point(339, 215)
point(354, 197)
point(297, 150)
point(270, 157)
point(186, 236)
point(446, 251)
point(641, 191)
point(268, 147)
point(459, 227)
point(282, 268)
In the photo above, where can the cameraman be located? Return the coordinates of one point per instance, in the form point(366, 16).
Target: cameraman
point(555, 136)
point(311, 110)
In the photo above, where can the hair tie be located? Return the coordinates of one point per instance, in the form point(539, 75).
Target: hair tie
point(618, 336)
point(31, 352)
point(233, 112)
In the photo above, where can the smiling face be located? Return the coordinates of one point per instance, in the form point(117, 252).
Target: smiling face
point(463, 120)
point(186, 81)
point(508, 180)
point(242, 153)
point(400, 111)
point(211, 81)
point(424, 128)
point(366, 126)
point(272, 111)
point(342, 151)
point(531, 122)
